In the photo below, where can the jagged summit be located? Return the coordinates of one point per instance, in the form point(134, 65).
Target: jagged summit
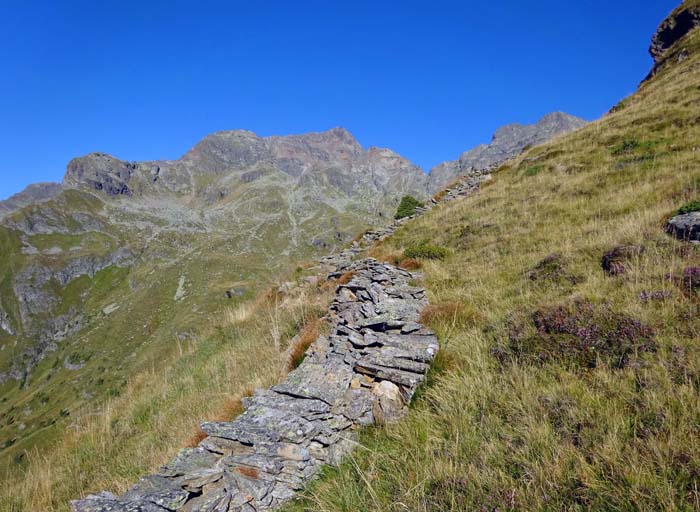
point(34, 193)
point(682, 23)
point(507, 142)
point(225, 158)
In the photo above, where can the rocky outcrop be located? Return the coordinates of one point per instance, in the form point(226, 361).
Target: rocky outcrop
point(366, 371)
point(685, 227)
point(37, 304)
point(681, 22)
point(100, 172)
point(507, 142)
point(35, 193)
point(5, 322)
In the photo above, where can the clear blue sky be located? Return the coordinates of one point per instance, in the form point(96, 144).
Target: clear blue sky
point(147, 79)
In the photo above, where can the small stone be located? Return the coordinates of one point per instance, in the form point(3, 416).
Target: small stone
point(388, 404)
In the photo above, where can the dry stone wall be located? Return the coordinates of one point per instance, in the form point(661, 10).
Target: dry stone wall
point(367, 370)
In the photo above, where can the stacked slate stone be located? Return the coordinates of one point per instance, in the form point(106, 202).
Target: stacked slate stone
point(367, 370)
point(468, 184)
point(335, 260)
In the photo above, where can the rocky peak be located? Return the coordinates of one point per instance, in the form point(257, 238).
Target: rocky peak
point(35, 193)
point(507, 142)
point(100, 172)
point(681, 22)
point(223, 150)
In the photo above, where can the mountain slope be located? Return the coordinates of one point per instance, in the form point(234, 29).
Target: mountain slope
point(563, 385)
point(507, 142)
point(35, 193)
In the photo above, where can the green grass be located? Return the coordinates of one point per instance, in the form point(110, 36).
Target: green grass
point(533, 170)
point(692, 206)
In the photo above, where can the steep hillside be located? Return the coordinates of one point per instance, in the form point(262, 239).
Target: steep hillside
point(35, 193)
point(507, 142)
point(569, 321)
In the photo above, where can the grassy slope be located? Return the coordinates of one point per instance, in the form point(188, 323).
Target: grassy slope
point(512, 434)
point(159, 410)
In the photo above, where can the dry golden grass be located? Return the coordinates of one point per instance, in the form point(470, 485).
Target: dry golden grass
point(410, 264)
point(160, 411)
point(302, 342)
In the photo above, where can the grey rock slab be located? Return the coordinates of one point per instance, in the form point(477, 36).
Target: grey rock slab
point(158, 490)
point(685, 227)
point(327, 382)
point(188, 461)
point(409, 380)
point(100, 503)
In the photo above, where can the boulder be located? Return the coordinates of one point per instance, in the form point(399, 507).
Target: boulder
point(685, 227)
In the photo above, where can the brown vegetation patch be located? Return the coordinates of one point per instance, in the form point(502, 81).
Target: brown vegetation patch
point(301, 343)
point(386, 255)
point(553, 268)
point(410, 264)
point(440, 195)
point(249, 472)
point(616, 261)
point(196, 438)
point(579, 333)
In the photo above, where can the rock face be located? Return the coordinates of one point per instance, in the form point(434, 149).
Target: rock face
point(367, 370)
point(35, 193)
point(685, 227)
point(220, 163)
point(681, 22)
point(507, 142)
point(100, 172)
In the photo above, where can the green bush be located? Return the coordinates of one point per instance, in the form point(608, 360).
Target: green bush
point(407, 207)
point(692, 206)
point(426, 252)
point(633, 145)
point(534, 170)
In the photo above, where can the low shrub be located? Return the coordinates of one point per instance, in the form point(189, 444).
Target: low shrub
point(407, 207)
point(691, 279)
point(631, 145)
point(426, 252)
point(616, 260)
point(580, 333)
point(554, 269)
point(692, 206)
point(534, 170)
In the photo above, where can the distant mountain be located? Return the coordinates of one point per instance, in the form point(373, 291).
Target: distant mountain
point(225, 162)
point(35, 193)
point(507, 142)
